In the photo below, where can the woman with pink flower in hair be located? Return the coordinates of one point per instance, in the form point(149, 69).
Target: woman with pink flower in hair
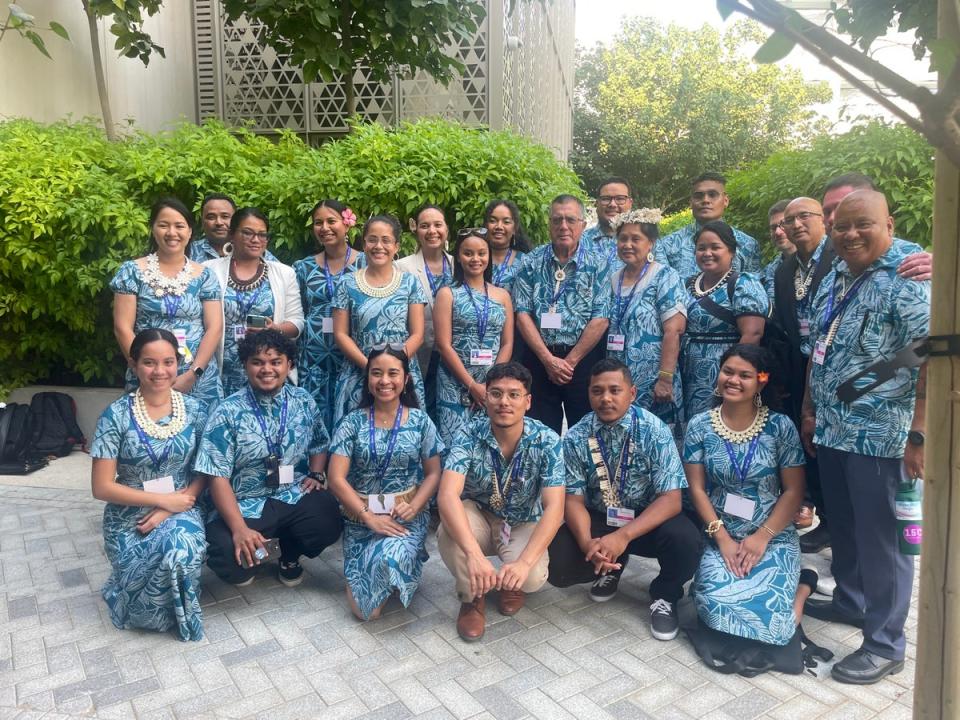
point(319, 276)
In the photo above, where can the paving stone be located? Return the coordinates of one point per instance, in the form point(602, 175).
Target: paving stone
point(123, 693)
point(750, 705)
point(499, 703)
point(72, 578)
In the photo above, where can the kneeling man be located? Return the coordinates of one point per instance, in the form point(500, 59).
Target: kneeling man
point(255, 450)
point(624, 481)
point(500, 494)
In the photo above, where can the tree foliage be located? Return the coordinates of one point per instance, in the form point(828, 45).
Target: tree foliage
point(662, 104)
point(866, 20)
point(21, 22)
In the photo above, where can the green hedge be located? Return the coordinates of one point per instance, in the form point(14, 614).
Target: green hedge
point(73, 206)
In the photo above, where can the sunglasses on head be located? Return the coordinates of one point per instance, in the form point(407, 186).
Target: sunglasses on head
point(396, 347)
point(467, 232)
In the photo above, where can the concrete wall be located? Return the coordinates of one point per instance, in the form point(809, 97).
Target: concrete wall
point(49, 90)
point(91, 402)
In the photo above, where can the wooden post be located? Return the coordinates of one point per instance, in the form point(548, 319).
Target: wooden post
point(937, 681)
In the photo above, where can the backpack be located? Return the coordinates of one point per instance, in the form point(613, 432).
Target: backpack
point(15, 441)
point(53, 425)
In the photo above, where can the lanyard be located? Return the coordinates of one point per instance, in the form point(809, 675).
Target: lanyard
point(562, 286)
point(482, 317)
point(742, 470)
point(276, 448)
point(620, 312)
point(391, 443)
point(432, 279)
point(327, 274)
point(513, 471)
point(145, 441)
point(246, 308)
point(501, 269)
point(832, 313)
point(622, 466)
point(171, 304)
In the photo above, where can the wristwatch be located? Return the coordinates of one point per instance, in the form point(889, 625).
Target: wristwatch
point(318, 475)
point(916, 437)
point(198, 371)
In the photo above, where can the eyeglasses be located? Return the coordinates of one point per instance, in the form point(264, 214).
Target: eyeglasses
point(467, 232)
point(773, 227)
point(248, 234)
point(559, 220)
point(512, 395)
point(611, 199)
point(790, 220)
point(382, 347)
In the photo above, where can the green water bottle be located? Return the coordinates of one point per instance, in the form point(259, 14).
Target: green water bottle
point(909, 512)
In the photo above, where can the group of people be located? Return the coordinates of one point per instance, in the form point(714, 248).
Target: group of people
point(271, 410)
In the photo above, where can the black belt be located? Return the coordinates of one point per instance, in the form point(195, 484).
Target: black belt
point(559, 350)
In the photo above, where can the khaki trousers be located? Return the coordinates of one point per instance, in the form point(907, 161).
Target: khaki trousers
point(486, 529)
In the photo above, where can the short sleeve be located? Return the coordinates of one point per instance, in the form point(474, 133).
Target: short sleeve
point(415, 293)
point(749, 251)
point(912, 308)
point(108, 435)
point(576, 480)
point(430, 443)
point(319, 440)
point(345, 436)
point(750, 297)
point(668, 471)
point(551, 451)
point(209, 287)
point(670, 295)
point(126, 281)
point(217, 452)
point(789, 449)
point(693, 441)
point(460, 455)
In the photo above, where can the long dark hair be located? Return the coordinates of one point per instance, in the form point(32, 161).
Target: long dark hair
point(149, 335)
point(520, 240)
point(458, 268)
point(407, 397)
point(762, 361)
point(177, 206)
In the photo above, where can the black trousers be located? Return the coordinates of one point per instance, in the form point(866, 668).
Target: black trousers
point(814, 492)
point(550, 401)
point(306, 528)
point(676, 544)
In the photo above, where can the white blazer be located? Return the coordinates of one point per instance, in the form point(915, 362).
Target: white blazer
point(414, 265)
point(286, 295)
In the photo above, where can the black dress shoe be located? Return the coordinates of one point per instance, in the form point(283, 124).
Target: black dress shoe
point(864, 668)
point(815, 540)
point(824, 610)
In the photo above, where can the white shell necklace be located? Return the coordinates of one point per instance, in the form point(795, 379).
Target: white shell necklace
point(160, 283)
point(698, 290)
point(178, 417)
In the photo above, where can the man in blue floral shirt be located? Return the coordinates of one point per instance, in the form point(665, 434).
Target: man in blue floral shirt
point(257, 448)
point(562, 301)
point(864, 312)
point(501, 494)
point(624, 484)
point(216, 211)
point(613, 198)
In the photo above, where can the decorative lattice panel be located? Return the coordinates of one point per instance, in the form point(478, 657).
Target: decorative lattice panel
point(328, 103)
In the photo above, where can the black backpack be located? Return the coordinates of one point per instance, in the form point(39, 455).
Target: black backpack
point(53, 425)
point(15, 454)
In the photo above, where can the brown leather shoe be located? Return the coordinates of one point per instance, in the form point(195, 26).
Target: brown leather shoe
point(510, 601)
point(472, 620)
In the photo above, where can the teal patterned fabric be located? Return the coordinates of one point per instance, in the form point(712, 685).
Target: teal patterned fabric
point(603, 246)
point(321, 361)
point(236, 307)
point(374, 321)
point(234, 445)
point(541, 466)
point(200, 250)
point(376, 565)
point(768, 275)
point(155, 583)
point(887, 314)
point(152, 313)
point(654, 461)
point(453, 413)
point(676, 250)
point(759, 606)
point(505, 276)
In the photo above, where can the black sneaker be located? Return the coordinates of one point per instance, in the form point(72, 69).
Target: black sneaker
point(816, 540)
point(663, 620)
point(604, 587)
point(290, 573)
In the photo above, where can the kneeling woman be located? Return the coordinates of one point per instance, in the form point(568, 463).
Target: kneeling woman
point(384, 468)
point(153, 534)
point(744, 465)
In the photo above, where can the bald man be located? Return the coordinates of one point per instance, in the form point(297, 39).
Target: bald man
point(864, 312)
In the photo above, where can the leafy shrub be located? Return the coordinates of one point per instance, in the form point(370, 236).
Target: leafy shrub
point(74, 206)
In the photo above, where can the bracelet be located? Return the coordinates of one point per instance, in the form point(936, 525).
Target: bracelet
point(664, 373)
point(764, 527)
point(318, 475)
point(713, 527)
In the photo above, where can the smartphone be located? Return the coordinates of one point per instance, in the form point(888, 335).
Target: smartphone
point(257, 321)
point(272, 546)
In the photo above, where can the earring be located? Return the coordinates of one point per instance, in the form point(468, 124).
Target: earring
point(227, 249)
point(757, 400)
point(650, 257)
point(717, 393)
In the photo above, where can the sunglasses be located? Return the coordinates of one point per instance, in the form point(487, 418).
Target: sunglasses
point(396, 347)
point(467, 232)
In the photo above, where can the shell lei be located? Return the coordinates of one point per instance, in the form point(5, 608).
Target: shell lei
point(178, 417)
point(160, 283)
point(377, 292)
point(739, 436)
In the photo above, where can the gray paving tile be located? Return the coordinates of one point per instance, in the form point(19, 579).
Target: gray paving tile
point(123, 693)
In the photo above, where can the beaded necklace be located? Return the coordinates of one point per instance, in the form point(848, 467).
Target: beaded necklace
point(160, 283)
point(178, 416)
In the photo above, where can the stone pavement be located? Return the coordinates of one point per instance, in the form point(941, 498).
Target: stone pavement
point(272, 652)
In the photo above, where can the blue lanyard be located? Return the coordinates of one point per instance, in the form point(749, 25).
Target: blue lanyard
point(327, 275)
point(742, 470)
point(145, 441)
point(832, 313)
point(171, 304)
point(501, 269)
point(622, 470)
point(246, 308)
point(482, 317)
point(276, 448)
point(431, 278)
point(563, 286)
point(381, 467)
point(514, 472)
point(620, 312)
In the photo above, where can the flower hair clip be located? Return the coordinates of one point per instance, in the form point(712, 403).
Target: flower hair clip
point(763, 376)
point(646, 216)
point(349, 219)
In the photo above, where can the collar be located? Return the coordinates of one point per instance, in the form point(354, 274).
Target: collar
point(890, 259)
point(267, 400)
point(574, 256)
point(623, 423)
point(487, 437)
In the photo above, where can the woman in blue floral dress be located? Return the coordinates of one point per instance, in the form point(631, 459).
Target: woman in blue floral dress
point(473, 323)
point(153, 535)
point(508, 241)
point(374, 305)
point(384, 468)
point(319, 276)
point(167, 290)
point(723, 308)
point(648, 316)
point(744, 464)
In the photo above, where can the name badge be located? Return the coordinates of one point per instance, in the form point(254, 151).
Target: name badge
point(619, 516)
point(550, 321)
point(181, 335)
point(162, 485)
point(616, 342)
point(804, 328)
point(286, 474)
point(819, 352)
point(239, 332)
point(382, 504)
point(481, 357)
point(327, 325)
point(505, 533)
point(739, 506)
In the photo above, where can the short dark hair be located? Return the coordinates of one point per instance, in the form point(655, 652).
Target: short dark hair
point(174, 204)
point(386, 219)
point(612, 180)
point(512, 370)
point(711, 176)
point(564, 198)
point(330, 203)
point(778, 207)
point(243, 213)
point(149, 335)
point(520, 240)
point(216, 196)
point(763, 361)
point(269, 339)
point(722, 231)
point(408, 396)
point(858, 181)
point(611, 364)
